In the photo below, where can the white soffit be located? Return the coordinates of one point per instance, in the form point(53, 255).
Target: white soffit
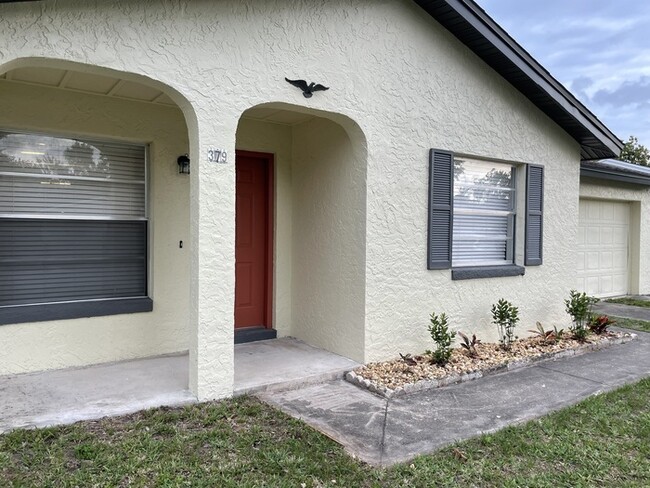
point(136, 91)
point(128, 90)
point(49, 77)
point(88, 83)
point(277, 116)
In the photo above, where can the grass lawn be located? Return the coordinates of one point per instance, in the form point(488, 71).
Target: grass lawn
point(635, 302)
point(602, 441)
point(635, 324)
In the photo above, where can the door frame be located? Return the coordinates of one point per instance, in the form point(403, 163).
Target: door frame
point(269, 160)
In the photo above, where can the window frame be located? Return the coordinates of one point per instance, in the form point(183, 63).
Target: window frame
point(512, 215)
point(93, 307)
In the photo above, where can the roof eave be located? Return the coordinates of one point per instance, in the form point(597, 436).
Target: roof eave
point(613, 175)
point(474, 28)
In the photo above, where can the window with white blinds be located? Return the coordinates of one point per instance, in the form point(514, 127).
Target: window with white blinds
point(484, 213)
point(73, 222)
point(44, 176)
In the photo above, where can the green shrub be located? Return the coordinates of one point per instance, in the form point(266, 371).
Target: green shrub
point(439, 330)
point(579, 306)
point(505, 316)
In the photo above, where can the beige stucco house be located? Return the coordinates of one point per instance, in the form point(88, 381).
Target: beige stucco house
point(439, 172)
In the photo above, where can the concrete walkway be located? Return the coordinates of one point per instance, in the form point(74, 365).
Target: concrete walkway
point(383, 432)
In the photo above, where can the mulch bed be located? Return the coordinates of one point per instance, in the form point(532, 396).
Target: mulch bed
point(399, 376)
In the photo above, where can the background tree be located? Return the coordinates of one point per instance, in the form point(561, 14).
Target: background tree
point(635, 153)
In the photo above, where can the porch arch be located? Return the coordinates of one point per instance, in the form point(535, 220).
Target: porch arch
point(169, 129)
point(319, 235)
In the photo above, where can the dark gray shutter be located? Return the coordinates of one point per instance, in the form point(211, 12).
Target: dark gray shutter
point(441, 191)
point(534, 215)
point(50, 260)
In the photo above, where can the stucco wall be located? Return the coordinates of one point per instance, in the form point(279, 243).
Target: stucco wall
point(329, 239)
point(406, 82)
point(464, 107)
point(58, 344)
point(639, 197)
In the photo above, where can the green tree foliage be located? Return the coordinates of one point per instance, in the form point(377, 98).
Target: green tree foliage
point(635, 153)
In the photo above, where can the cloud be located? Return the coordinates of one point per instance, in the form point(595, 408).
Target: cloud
point(629, 93)
point(579, 87)
point(597, 48)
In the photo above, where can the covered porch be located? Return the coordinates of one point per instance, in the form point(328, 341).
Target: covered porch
point(170, 281)
point(70, 395)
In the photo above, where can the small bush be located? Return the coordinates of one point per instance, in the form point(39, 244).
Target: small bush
point(578, 306)
point(505, 316)
point(439, 330)
point(580, 334)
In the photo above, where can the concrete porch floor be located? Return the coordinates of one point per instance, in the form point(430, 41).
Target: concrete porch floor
point(70, 395)
point(285, 363)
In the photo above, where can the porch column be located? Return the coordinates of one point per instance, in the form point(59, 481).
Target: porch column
point(212, 280)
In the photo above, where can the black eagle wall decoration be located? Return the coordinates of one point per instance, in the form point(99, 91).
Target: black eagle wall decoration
point(307, 89)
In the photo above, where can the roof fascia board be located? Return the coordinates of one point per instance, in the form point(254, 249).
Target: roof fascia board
point(610, 175)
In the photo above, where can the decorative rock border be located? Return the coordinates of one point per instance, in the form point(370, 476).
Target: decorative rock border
point(430, 384)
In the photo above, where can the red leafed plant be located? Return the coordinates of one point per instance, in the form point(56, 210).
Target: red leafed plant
point(469, 344)
point(598, 323)
point(547, 336)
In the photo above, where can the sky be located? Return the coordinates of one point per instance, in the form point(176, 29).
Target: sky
point(598, 49)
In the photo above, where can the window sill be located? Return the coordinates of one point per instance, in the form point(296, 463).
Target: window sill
point(20, 314)
point(476, 272)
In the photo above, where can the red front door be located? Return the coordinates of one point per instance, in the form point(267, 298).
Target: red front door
point(252, 239)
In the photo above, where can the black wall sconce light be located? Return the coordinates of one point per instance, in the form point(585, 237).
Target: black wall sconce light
point(183, 164)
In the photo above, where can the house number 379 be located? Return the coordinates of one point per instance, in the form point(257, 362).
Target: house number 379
point(217, 156)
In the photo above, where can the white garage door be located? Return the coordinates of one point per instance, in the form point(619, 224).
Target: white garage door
point(603, 233)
